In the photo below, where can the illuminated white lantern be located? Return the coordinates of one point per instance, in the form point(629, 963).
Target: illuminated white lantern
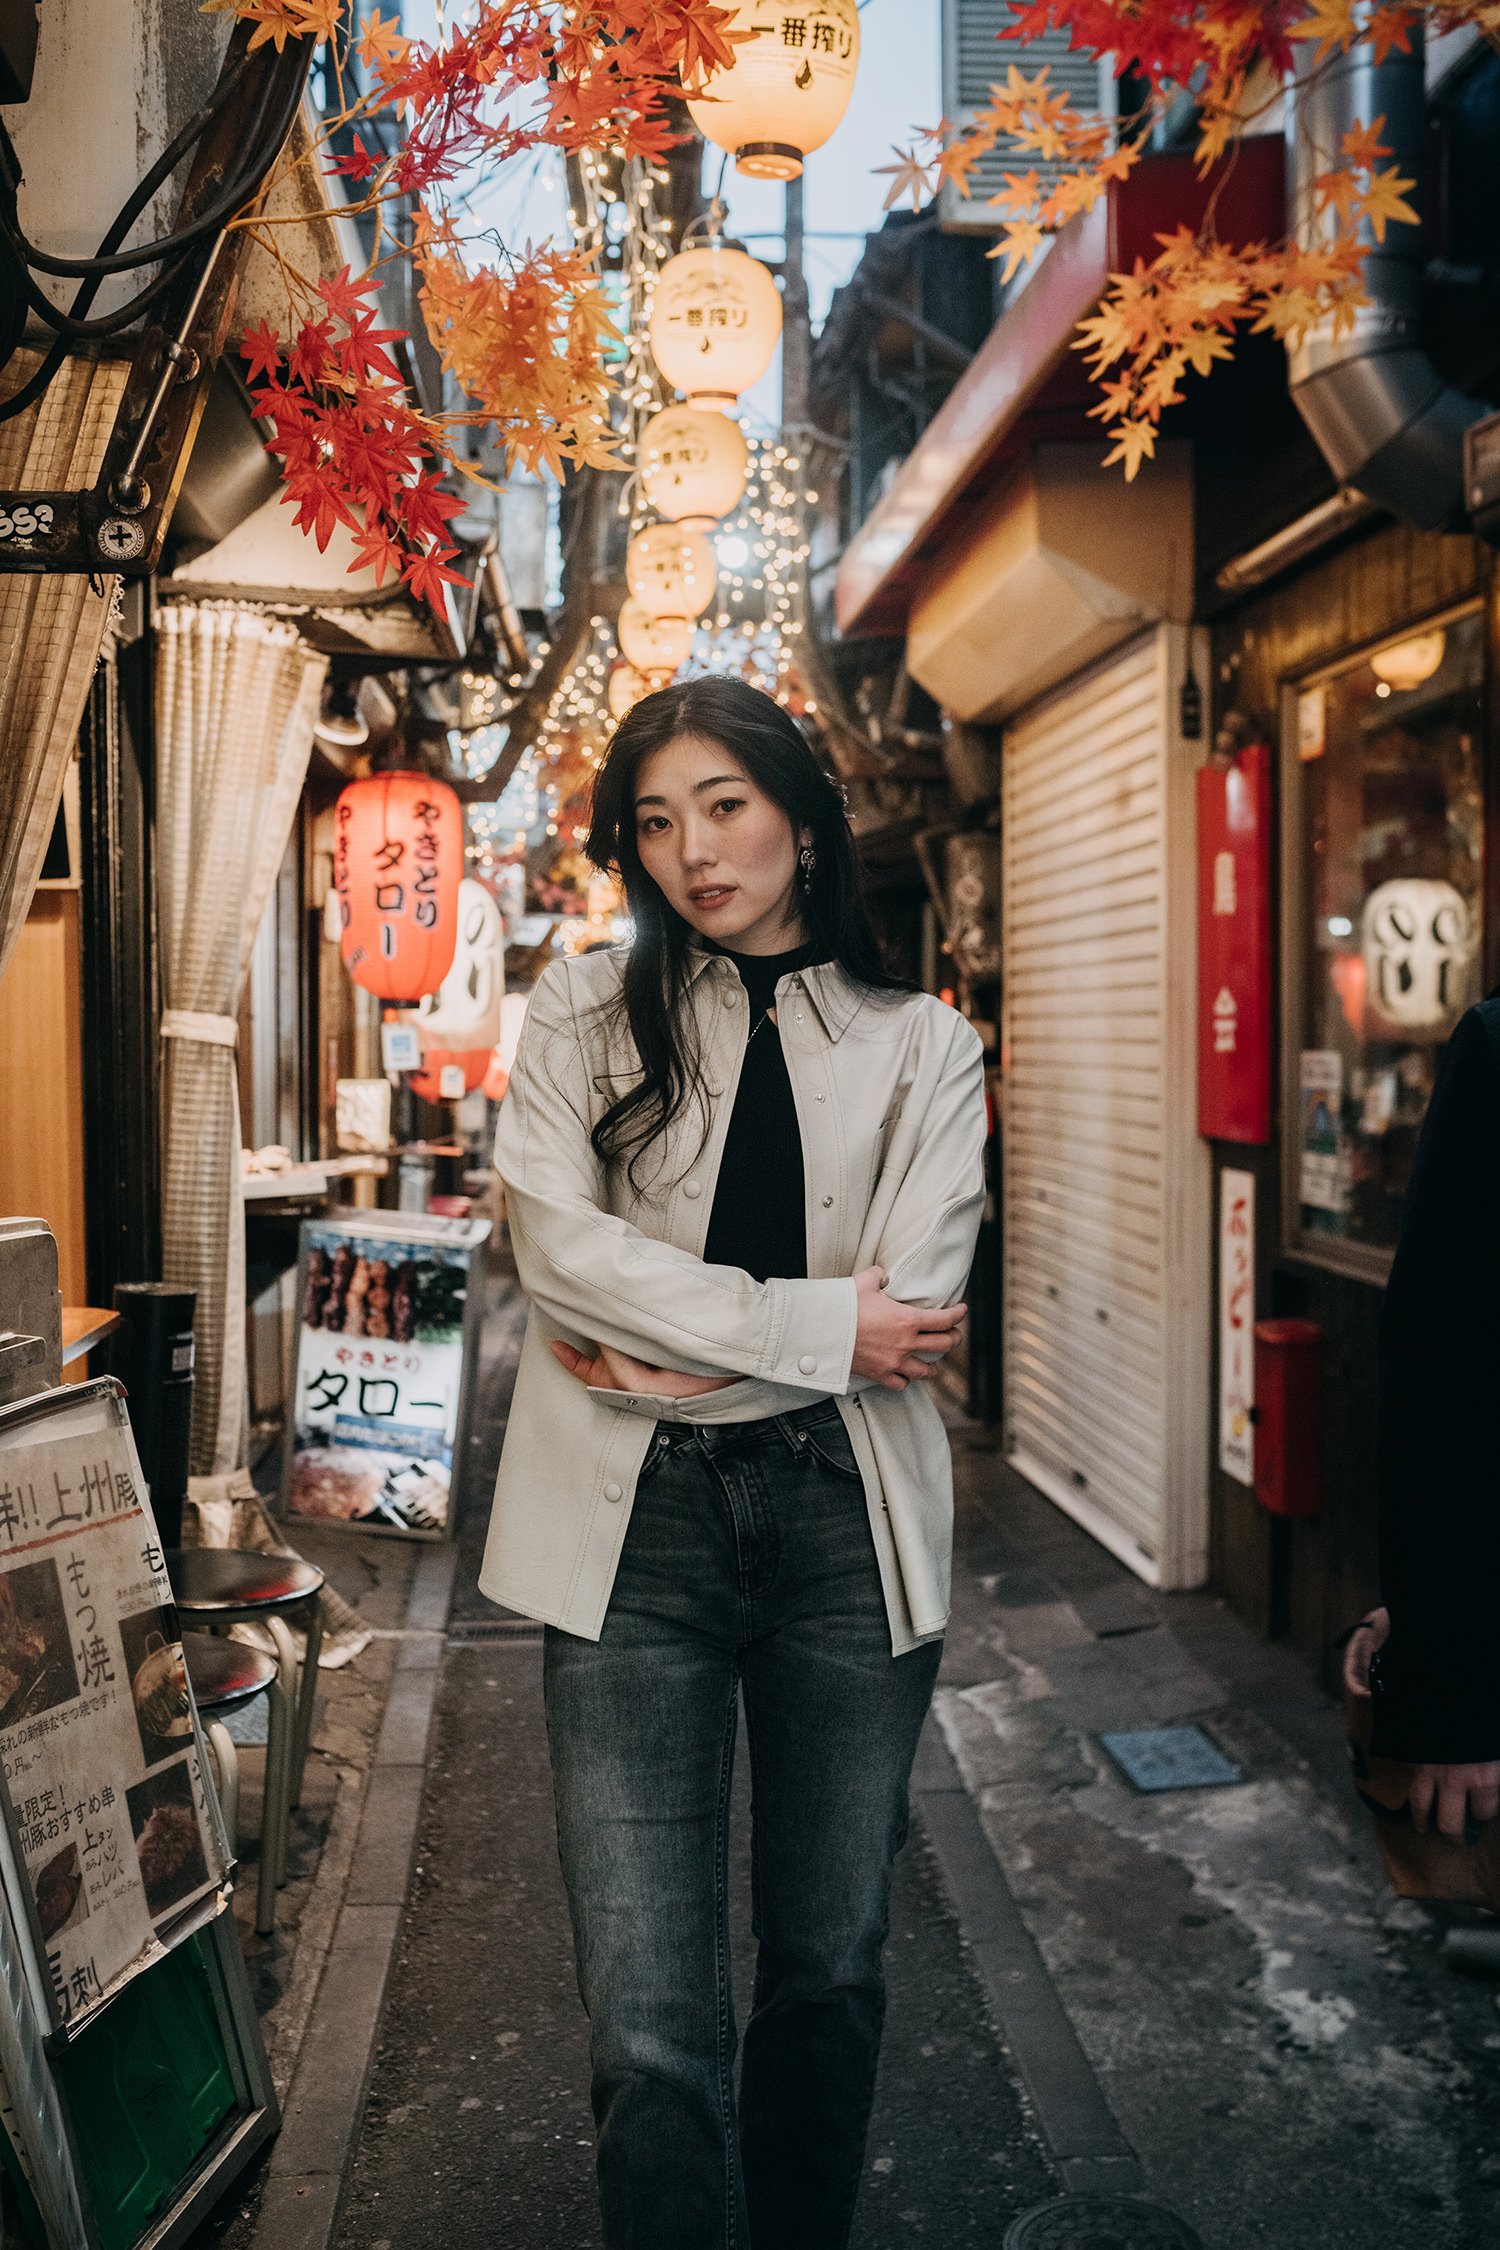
point(693, 465)
point(626, 687)
point(1409, 663)
point(464, 1013)
point(671, 570)
point(787, 88)
point(657, 646)
point(715, 320)
point(1418, 942)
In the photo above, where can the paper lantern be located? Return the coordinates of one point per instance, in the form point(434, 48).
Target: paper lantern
point(398, 862)
point(693, 465)
point(442, 1068)
point(715, 319)
point(657, 646)
point(671, 571)
point(626, 687)
point(1409, 663)
point(1417, 941)
point(787, 88)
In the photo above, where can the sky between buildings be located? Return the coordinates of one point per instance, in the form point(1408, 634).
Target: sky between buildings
point(897, 90)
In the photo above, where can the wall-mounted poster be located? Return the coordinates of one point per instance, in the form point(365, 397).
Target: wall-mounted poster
point(386, 1342)
point(121, 1850)
point(1237, 1324)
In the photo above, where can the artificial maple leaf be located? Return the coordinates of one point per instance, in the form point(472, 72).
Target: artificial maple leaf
point(375, 549)
point(427, 574)
point(1385, 199)
point(260, 347)
point(1135, 441)
point(1390, 30)
point(381, 44)
point(1363, 145)
point(1021, 240)
point(1332, 24)
point(910, 177)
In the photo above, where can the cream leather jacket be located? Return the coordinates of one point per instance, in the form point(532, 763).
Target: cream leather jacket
point(889, 1095)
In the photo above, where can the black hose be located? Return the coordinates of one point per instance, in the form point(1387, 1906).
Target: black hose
point(70, 325)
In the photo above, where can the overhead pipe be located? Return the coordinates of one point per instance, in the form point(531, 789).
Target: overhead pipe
point(1384, 418)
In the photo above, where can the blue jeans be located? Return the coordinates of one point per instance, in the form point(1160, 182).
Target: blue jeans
point(748, 1563)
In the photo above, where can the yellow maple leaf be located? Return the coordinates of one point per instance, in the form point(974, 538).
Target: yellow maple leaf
point(1332, 24)
point(1022, 239)
point(1135, 442)
point(1385, 199)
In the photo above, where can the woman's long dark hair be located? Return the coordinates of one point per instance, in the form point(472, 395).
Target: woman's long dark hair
point(775, 754)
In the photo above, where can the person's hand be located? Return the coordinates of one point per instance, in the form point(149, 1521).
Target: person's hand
point(898, 1344)
point(1369, 1634)
point(1459, 1793)
point(611, 1370)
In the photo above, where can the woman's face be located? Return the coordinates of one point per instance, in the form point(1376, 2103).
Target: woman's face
point(721, 852)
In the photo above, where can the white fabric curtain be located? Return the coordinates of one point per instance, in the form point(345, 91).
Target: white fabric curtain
point(236, 696)
point(51, 623)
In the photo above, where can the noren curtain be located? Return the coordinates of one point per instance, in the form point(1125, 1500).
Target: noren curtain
point(51, 623)
point(237, 693)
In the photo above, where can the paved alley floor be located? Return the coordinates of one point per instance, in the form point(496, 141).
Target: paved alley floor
point(1280, 2042)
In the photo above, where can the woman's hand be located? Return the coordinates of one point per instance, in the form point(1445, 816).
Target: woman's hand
point(1371, 1633)
point(898, 1344)
point(612, 1370)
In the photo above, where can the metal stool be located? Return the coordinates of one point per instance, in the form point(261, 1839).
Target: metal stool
point(216, 1587)
point(225, 1674)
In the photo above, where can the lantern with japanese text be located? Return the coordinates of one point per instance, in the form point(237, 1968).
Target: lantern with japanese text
point(626, 687)
point(715, 319)
point(787, 88)
point(398, 861)
point(657, 646)
point(671, 571)
point(693, 465)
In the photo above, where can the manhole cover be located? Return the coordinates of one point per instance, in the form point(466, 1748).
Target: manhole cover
point(1171, 1758)
point(1100, 2222)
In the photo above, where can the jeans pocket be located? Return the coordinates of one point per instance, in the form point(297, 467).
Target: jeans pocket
point(656, 1452)
point(830, 1441)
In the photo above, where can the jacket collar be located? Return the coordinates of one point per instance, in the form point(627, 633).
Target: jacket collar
point(834, 995)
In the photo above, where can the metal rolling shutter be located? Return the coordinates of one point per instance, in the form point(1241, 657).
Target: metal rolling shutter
point(1106, 1185)
point(974, 58)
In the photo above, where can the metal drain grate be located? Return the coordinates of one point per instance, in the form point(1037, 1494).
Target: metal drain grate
point(482, 1632)
point(1100, 2222)
point(1154, 1758)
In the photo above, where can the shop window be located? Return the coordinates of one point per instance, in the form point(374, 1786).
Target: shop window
point(1388, 754)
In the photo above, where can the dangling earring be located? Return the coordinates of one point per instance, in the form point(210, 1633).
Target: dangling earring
point(807, 860)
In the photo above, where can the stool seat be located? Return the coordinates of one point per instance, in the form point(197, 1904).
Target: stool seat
point(205, 1579)
point(225, 1674)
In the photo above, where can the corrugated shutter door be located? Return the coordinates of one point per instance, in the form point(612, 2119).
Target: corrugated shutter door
point(974, 58)
point(1105, 1183)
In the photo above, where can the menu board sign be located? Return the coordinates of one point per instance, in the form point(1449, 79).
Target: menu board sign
point(388, 1312)
point(118, 1849)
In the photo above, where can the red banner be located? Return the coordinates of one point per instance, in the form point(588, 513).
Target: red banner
point(1234, 948)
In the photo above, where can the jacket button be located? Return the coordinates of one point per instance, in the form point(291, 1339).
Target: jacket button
point(614, 1492)
point(728, 997)
point(807, 1365)
point(828, 1202)
point(692, 1189)
point(820, 1097)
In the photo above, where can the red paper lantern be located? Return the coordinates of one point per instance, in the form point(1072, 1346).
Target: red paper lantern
point(398, 862)
point(474, 1062)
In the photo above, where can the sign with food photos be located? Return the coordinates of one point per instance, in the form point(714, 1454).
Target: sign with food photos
point(117, 1846)
point(387, 1315)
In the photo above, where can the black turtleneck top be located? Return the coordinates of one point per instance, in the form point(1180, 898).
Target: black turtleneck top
point(759, 1220)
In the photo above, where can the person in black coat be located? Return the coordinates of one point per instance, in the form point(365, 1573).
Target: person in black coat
point(1427, 1655)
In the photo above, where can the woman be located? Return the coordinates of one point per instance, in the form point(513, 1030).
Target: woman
point(743, 1172)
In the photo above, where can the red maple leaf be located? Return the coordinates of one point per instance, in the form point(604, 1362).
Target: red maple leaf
point(427, 574)
point(260, 346)
point(343, 297)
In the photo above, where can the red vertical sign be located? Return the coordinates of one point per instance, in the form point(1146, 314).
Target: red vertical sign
point(1234, 948)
